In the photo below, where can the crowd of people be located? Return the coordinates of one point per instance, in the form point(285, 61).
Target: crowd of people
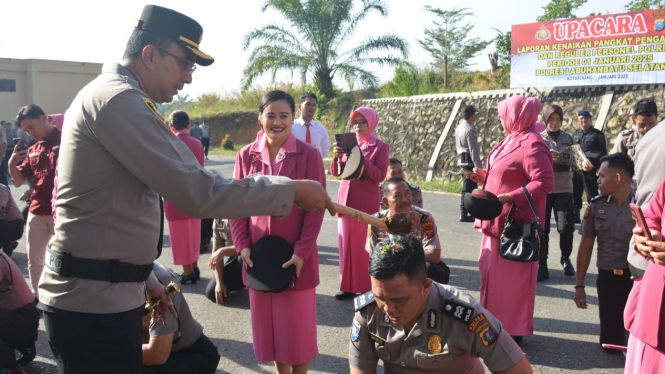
point(98, 200)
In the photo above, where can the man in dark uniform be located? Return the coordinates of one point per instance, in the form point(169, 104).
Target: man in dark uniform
point(415, 325)
point(592, 142)
point(117, 158)
point(180, 346)
point(468, 155)
point(609, 218)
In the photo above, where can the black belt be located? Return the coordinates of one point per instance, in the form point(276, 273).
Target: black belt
point(465, 158)
point(114, 271)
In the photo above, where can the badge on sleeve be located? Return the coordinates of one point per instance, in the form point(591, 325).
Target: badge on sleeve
point(488, 336)
point(428, 227)
point(434, 344)
point(153, 109)
point(355, 330)
point(476, 323)
point(587, 211)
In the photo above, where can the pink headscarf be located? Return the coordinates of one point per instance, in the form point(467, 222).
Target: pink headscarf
point(58, 119)
point(372, 118)
point(519, 113)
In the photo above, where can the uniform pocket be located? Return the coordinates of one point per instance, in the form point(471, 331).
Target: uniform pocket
point(382, 352)
point(601, 224)
point(433, 361)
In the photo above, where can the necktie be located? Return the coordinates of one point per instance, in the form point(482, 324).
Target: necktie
point(308, 138)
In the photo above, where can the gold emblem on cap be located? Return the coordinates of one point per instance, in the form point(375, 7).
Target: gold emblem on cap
point(434, 344)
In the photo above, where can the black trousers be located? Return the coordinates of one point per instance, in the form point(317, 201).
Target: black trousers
point(206, 144)
point(96, 343)
point(564, 215)
point(11, 231)
point(613, 293)
point(201, 357)
point(18, 330)
point(467, 186)
point(439, 273)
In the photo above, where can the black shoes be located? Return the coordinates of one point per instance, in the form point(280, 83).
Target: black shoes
point(341, 295)
point(197, 272)
point(568, 269)
point(465, 217)
point(543, 273)
point(187, 278)
point(27, 354)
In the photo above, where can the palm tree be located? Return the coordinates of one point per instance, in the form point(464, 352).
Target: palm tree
point(318, 28)
point(181, 102)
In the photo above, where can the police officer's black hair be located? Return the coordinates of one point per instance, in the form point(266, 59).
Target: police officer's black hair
point(468, 111)
point(179, 120)
point(646, 107)
point(392, 161)
point(620, 161)
point(276, 96)
point(385, 187)
point(397, 255)
point(140, 39)
point(304, 97)
point(29, 111)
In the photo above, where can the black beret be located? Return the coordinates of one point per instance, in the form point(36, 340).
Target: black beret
point(175, 26)
point(482, 205)
point(268, 255)
point(355, 165)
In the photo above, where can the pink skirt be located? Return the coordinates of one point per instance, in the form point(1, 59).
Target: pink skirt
point(353, 258)
point(284, 326)
point(507, 288)
point(185, 240)
point(643, 358)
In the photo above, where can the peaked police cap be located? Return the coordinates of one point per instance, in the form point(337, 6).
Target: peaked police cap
point(175, 26)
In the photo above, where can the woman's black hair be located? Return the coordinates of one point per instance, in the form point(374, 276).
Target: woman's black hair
point(397, 255)
point(275, 96)
point(179, 120)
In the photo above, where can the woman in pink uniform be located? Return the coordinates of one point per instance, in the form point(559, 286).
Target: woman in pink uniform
point(362, 195)
point(644, 315)
point(521, 159)
point(283, 324)
point(185, 231)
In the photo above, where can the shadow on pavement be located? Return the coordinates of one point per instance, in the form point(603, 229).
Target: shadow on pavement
point(572, 355)
point(566, 327)
point(343, 311)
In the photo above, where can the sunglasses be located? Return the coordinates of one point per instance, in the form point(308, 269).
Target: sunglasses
point(189, 66)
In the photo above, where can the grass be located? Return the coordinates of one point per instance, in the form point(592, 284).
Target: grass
point(226, 152)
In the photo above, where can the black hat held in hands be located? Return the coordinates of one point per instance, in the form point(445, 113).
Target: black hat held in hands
point(355, 165)
point(175, 26)
point(268, 255)
point(482, 205)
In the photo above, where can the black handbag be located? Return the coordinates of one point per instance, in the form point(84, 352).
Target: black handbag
point(522, 242)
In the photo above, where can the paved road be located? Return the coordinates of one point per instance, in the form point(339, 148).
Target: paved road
point(565, 340)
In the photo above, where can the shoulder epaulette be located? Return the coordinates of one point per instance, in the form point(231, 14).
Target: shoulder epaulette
point(413, 186)
point(457, 311)
point(363, 300)
point(597, 198)
point(627, 132)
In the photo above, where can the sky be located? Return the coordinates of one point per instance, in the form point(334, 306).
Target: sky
point(86, 31)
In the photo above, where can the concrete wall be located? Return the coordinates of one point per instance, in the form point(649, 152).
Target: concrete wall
point(421, 129)
point(50, 84)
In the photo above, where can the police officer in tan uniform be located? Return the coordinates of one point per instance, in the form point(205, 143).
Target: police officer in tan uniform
point(609, 219)
point(396, 197)
point(447, 330)
point(117, 158)
point(468, 154)
point(395, 170)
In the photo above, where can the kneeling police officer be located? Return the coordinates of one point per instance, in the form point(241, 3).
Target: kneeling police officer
point(447, 329)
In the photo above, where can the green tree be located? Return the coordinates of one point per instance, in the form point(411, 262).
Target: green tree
point(503, 46)
point(637, 5)
point(449, 40)
point(181, 102)
point(560, 9)
point(312, 44)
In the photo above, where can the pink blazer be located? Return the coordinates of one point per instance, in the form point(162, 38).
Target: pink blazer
point(526, 161)
point(644, 315)
point(172, 213)
point(364, 195)
point(300, 228)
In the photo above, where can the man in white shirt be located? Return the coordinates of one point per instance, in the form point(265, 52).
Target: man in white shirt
point(308, 130)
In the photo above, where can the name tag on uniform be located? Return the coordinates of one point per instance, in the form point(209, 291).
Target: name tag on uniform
point(377, 339)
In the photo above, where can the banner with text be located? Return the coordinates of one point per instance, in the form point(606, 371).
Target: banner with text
point(627, 48)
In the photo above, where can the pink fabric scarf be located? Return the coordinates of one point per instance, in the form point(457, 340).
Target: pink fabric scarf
point(57, 119)
point(372, 118)
point(519, 113)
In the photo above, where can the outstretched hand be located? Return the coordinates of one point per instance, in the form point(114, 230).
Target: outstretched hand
point(311, 196)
